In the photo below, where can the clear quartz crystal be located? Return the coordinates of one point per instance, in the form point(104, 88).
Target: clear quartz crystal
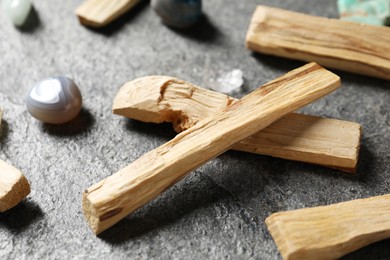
point(17, 10)
point(229, 82)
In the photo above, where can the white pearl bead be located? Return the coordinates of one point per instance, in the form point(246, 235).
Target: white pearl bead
point(54, 100)
point(17, 10)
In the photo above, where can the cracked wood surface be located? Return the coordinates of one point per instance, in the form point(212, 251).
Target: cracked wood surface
point(329, 232)
point(327, 142)
point(353, 47)
point(113, 198)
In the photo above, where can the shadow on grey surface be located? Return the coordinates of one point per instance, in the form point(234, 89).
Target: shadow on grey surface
point(197, 191)
point(279, 171)
point(81, 124)
point(164, 130)
point(278, 63)
point(203, 31)
point(118, 24)
point(365, 167)
point(32, 22)
point(362, 80)
point(379, 250)
point(4, 130)
point(21, 216)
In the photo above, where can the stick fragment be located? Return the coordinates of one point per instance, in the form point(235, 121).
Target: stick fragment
point(13, 186)
point(99, 13)
point(353, 47)
point(329, 232)
point(327, 142)
point(113, 198)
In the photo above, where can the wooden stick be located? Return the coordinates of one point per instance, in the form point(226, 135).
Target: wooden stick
point(13, 186)
point(348, 46)
point(99, 13)
point(113, 198)
point(330, 232)
point(327, 142)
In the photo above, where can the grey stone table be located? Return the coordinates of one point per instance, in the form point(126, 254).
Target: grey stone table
point(218, 211)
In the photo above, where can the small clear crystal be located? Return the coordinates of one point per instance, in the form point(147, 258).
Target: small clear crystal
point(229, 82)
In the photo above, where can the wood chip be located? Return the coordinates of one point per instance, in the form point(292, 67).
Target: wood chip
point(113, 198)
point(327, 142)
point(99, 13)
point(13, 186)
point(353, 47)
point(330, 232)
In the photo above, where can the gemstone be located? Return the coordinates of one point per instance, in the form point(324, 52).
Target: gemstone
point(374, 12)
point(17, 10)
point(178, 13)
point(55, 100)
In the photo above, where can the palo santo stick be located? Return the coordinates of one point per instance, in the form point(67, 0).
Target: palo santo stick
point(330, 232)
point(13, 186)
point(98, 13)
point(327, 142)
point(348, 46)
point(113, 198)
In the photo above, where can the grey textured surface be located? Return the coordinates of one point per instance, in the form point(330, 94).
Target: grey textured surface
point(218, 211)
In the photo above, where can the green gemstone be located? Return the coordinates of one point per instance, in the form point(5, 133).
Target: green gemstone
point(374, 12)
point(17, 10)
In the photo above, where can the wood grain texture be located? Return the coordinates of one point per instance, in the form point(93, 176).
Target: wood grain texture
point(330, 232)
point(13, 186)
point(113, 198)
point(99, 13)
point(328, 142)
point(348, 46)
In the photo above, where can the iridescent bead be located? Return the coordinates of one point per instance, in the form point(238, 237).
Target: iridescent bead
point(55, 100)
point(17, 10)
point(178, 13)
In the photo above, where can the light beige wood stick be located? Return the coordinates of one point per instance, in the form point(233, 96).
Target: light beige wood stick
point(13, 186)
point(353, 47)
point(113, 198)
point(328, 142)
point(330, 232)
point(99, 13)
